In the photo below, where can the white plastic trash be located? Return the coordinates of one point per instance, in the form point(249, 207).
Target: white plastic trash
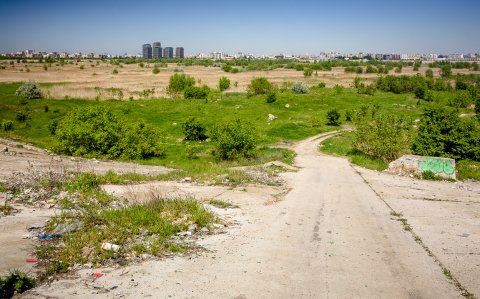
point(110, 246)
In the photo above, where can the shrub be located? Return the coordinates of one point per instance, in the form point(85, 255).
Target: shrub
point(193, 92)
point(421, 91)
point(194, 130)
point(7, 125)
point(258, 86)
point(338, 89)
point(299, 88)
point(223, 83)
point(477, 108)
point(429, 73)
point(380, 135)
point(307, 72)
point(30, 90)
point(271, 98)
point(22, 115)
point(15, 282)
point(97, 132)
point(156, 70)
point(178, 83)
point(333, 117)
point(115, 71)
point(442, 133)
point(234, 139)
point(461, 99)
point(349, 115)
point(234, 70)
point(321, 85)
point(141, 64)
point(227, 68)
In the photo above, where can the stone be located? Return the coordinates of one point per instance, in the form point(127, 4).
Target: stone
point(287, 105)
point(5, 149)
point(413, 164)
point(271, 117)
point(192, 228)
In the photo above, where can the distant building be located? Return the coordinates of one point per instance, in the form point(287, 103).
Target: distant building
point(168, 52)
point(157, 50)
point(179, 52)
point(147, 51)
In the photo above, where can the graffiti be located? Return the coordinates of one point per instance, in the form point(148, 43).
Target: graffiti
point(437, 166)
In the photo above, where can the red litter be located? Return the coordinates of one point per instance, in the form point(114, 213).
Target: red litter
point(32, 260)
point(267, 203)
point(97, 274)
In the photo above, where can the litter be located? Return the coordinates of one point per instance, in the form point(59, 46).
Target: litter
point(97, 274)
point(32, 260)
point(45, 236)
point(110, 246)
point(268, 202)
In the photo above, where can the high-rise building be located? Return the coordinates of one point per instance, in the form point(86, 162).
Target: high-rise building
point(179, 52)
point(157, 50)
point(147, 51)
point(168, 52)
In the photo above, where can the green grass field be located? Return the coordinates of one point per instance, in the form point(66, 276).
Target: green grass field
point(298, 117)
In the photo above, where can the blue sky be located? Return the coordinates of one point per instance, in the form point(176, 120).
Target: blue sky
point(259, 27)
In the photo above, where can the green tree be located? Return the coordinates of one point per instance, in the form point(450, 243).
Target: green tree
point(383, 136)
point(30, 90)
point(223, 83)
point(333, 117)
point(178, 83)
point(429, 73)
point(234, 139)
point(259, 85)
point(442, 133)
point(194, 130)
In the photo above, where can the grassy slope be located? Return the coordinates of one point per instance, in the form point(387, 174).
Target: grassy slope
point(305, 117)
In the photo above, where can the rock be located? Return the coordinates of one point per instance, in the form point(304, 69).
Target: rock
point(5, 149)
point(187, 179)
point(192, 228)
point(412, 164)
point(271, 117)
point(287, 105)
point(204, 230)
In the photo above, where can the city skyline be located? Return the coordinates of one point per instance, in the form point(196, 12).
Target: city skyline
point(305, 27)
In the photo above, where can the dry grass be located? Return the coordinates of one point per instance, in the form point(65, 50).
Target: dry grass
point(91, 82)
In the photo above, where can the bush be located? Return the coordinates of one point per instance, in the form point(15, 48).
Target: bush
point(30, 90)
point(349, 115)
point(271, 98)
point(258, 86)
point(477, 108)
point(429, 73)
point(462, 99)
point(97, 132)
point(156, 70)
point(15, 282)
point(178, 83)
point(194, 130)
point(22, 115)
point(193, 92)
point(321, 85)
point(338, 89)
point(380, 135)
point(307, 72)
point(234, 139)
point(7, 125)
point(299, 88)
point(333, 117)
point(442, 133)
point(223, 83)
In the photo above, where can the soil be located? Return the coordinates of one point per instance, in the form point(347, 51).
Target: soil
point(332, 236)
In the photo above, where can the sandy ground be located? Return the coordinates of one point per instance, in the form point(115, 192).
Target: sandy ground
point(21, 157)
point(332, 236)
point(131, 79)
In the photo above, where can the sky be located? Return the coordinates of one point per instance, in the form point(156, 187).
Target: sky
point(257, 27)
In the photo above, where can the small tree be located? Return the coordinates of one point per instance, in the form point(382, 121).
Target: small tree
point(223, 83)
point(156, 70)
point(299, 88)
point(30, 90)
point(178, 83)
point(333, 117)
point(429, 73)
point(234, 139)
point(307, 72)
point(271, 98)
point(259, 85)
point(194, 130)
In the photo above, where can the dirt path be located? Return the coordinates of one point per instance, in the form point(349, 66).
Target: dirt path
point(331, 237)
